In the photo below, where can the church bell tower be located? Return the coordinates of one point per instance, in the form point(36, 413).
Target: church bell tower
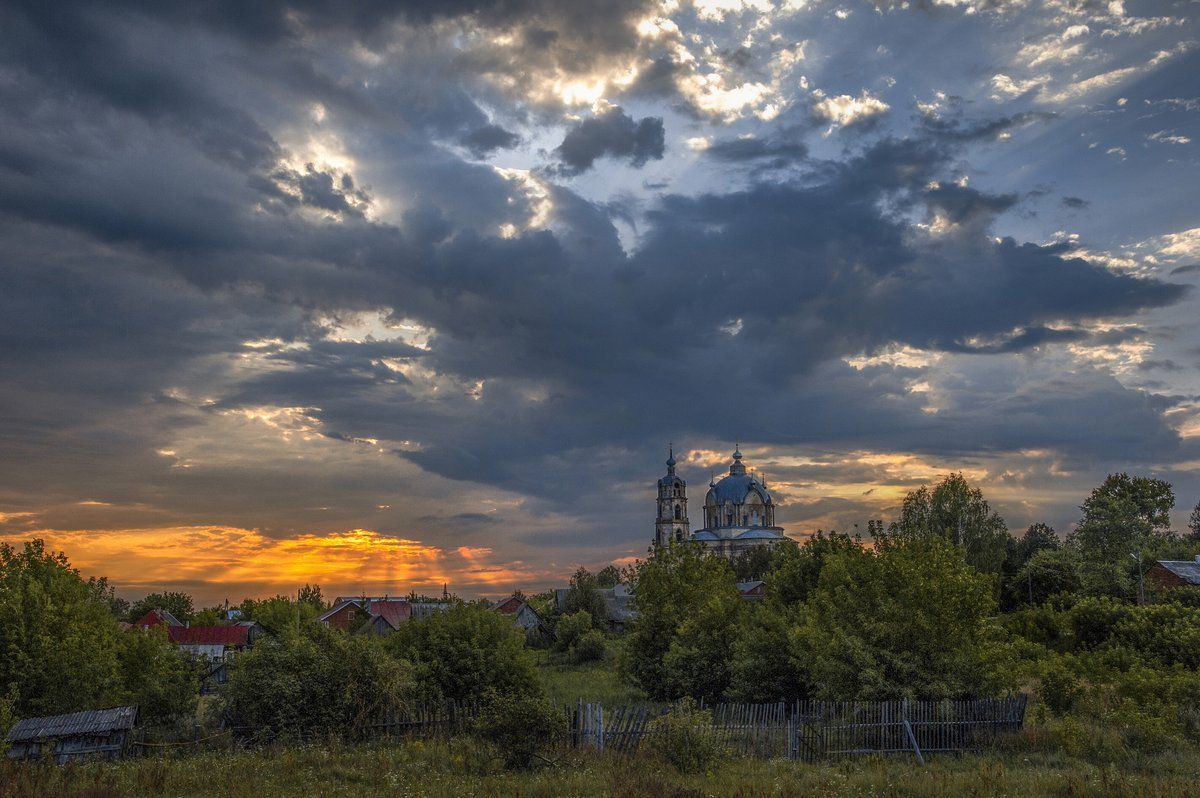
point(672, 521)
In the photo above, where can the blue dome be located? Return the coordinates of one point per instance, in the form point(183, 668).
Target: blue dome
point(736, 488)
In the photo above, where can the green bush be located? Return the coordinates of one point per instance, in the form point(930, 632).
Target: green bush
point(588, 647)
point(685, 737)
point(520, 726)
point(570, 628)
point(462, 653)
point(330, 684)
point(1060, 685)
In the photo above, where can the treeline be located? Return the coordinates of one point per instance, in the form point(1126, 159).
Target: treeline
point(943, 603)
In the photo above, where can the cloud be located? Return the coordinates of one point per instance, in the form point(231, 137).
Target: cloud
point(613, 134)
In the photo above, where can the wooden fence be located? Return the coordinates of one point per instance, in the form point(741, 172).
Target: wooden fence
point(812, 730)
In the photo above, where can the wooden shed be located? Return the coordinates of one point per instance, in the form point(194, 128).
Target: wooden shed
point(95, 734)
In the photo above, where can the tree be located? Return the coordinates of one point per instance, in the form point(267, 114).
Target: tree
point(609, 576)
point(1194, 523)
point(1123, 513)
point(58, 639)
point(795, 570)
point(177, 603)
point(1047, 573)
point(763, 668)
point(754, 563)
point(462, 653)
point(1039, 537)
point(306, 687)
point(957, 512)
point(584, 594)
point(1123, 516)
point(687, 603)
point(163, 681)
point(909, 619)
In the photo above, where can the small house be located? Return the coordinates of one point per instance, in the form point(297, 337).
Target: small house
point(369, 614)
point(95, 734)
point(754, 590)
point(1167, 574)
point(519, 610)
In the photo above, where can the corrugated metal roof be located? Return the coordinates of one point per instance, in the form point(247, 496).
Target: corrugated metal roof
point(1187, 570)
point(96, 721)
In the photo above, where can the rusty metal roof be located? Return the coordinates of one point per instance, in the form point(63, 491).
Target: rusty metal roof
point(96, 721)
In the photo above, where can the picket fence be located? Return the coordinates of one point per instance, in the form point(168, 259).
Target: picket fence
point(812, 730)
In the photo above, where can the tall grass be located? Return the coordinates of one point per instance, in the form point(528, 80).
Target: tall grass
point(461, 767)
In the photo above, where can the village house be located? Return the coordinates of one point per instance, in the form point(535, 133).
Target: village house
point(523, 615)
point(1169, 574)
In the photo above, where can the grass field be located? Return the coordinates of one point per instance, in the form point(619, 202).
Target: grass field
point(596, 681)
point(462, 768)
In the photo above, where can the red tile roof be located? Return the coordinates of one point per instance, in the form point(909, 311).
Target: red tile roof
point(209, 635)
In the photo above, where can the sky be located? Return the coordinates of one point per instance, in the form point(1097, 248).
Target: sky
point(386, 296)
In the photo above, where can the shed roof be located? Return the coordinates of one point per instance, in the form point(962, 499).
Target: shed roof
point(95, 721)
point(1187, 570)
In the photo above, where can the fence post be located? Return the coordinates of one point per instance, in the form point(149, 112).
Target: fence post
point(912, 738)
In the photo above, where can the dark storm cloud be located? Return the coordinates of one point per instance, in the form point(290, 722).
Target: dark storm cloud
point(156, 238)
point(778, 150)
point(488, 138)
point(612, 134)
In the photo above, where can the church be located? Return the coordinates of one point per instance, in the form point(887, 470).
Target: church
point(739, 513)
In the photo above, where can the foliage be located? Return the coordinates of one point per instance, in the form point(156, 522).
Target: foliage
point(464, 652)
point(753, 563)
point(308, 687)
point(520, 725)
point(163, 681)
point(687, 604)
point(795, 570)
point(584, 594)
point(1047, 573)
point(588, 647)
point(282, 616)
point(955, 511)
point(762, 667)
point(570, 628)
point(609, 576)
point(1122, 516)
point(908, 619)
point(686, 738)
point(58, 640)
point(175, 602)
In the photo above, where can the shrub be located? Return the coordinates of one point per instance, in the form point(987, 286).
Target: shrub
point(589, 647)
point(1060, 685)
point(520, 726)
point(685, 737)
point(570, 628)
point(328, 685)
point(462, 653)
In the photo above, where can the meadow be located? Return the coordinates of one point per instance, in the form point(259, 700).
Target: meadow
point(462, 767)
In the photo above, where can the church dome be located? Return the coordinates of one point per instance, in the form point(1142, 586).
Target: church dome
point(736, 486)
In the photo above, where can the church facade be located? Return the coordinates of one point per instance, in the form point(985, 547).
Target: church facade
point(739, 513)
